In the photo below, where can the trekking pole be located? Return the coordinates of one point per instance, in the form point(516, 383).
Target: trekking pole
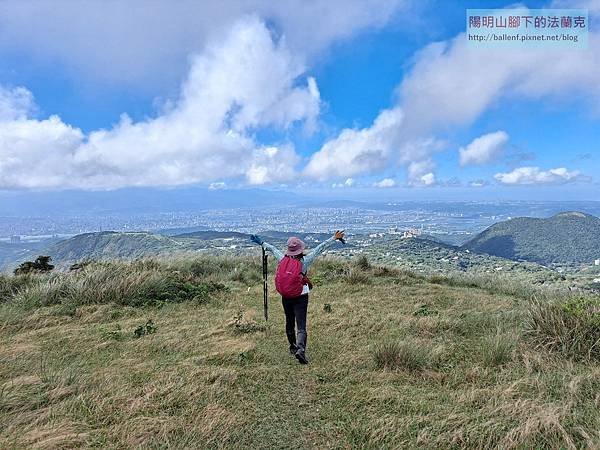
point(265, 285)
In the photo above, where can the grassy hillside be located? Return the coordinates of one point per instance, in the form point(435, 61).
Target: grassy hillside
point(420, 255)
point(417, 254)
point(566, 238)
point(429, 257)
point(110, 245)
point(175, 354)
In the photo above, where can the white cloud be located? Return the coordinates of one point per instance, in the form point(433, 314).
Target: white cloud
point(478, 183)
point(420, 173)
point(346, 184)
point(15, 103)
point(534, 176)
point(356, 151)
point(385, 183)
point(37, 154)
point(483, 149)
point(450, 86)
point(147, 42)
point(217, 186)
point(234, 87)
point(591, 5)
point(272, 164)
point(428, 179)
point(368, 150)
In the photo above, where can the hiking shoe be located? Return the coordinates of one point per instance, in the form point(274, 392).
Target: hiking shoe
point(301, 357)
point(293, 349)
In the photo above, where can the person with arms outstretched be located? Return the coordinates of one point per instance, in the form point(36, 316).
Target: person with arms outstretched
point(292, 282)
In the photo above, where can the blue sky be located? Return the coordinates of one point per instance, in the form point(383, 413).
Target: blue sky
point(382, 100)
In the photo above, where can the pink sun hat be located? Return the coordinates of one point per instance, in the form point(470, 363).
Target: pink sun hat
point(295, 246)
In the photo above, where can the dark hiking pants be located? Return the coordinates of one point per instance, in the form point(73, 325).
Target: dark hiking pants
point(295, 320)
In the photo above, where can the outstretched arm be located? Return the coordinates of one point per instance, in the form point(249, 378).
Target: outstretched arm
point(310, 258)
point(276, 252)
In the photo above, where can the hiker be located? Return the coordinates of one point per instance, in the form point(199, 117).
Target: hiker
point(292, 282)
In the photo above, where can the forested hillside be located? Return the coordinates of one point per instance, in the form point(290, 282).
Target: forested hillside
point(566, 238)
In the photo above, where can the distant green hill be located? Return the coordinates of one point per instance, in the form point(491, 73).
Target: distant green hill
point(110, 245)
point(568, 237)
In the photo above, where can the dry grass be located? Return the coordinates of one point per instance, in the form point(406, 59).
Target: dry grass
point(385, 372)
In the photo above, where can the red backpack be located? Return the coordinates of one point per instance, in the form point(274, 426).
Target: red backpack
point(289, 279)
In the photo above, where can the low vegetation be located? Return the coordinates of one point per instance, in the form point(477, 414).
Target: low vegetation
point(176, 354)
point(571, 327)
point(403, 355)
point(40, 265)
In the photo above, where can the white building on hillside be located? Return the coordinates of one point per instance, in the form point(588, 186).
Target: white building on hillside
point(413, 232)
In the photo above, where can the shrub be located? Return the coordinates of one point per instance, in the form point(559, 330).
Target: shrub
point(504, 285)
point(116, 333)
point(356, 276)
point(439, 279)
point(242, 325)
point(158, 291)
point(328, 269)
point(384, 271)
point(143, 330)
point(400, 355)
point(46, 292)
point(571, 327)
point(425, 310)
point(40, 265)
point(244, 270)
point(79, 266)
point(362, 262)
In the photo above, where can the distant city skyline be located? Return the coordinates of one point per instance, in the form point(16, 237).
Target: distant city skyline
point(335, 100)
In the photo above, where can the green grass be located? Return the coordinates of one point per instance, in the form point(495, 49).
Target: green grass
point(397, 361)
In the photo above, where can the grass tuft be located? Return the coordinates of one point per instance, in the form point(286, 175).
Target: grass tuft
point(357, 276)
point(394, 355)
point(497, 349)
point(571, 327)
point(362, 263)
